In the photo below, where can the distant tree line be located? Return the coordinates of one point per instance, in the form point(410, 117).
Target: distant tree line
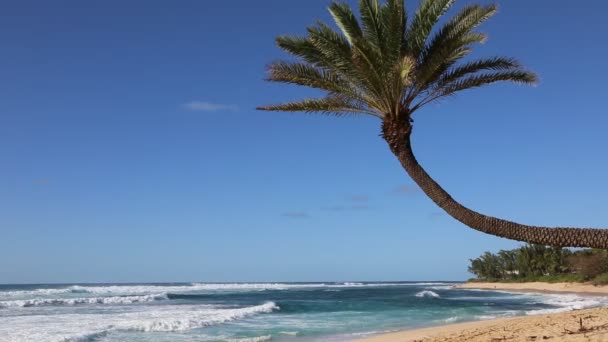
point(540, 263)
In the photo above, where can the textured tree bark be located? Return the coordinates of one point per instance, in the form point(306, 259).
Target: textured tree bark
point(397, 135)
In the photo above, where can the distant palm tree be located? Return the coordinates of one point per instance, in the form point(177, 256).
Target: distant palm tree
point(389, 67)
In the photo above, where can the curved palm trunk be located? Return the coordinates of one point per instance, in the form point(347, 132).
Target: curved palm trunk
point(397, 135)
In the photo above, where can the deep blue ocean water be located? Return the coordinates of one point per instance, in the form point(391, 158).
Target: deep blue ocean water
point(253, 312)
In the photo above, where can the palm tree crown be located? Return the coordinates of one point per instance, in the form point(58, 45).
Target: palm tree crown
point(389, 65)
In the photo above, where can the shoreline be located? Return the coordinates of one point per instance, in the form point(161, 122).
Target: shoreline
point(564, 326)
point(585, 289)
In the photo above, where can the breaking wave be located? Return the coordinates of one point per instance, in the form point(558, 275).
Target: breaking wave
point(193, 287)
point(82, 301)
point(564, 303)
point(92, 326)
point(441, 287)
point(427, 294)
point(198, 319)
point(253, 339)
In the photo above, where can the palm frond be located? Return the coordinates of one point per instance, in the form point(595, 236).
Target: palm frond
point(345, 61)
point(309, 76)
point(305, 75)
point(330, 105)
point(365, 54)
point(466, 20)
point(334, 48)
point(393, 17)
point(438, 55)
point(515, 76)
point(478, 80)
point(428, 71)
point(425, 18)
point(372, 27)
point(494, 63)
point(301, 47)
point(347, 22)
point(455, 29)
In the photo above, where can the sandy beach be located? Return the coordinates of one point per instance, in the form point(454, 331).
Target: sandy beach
point(579, 288)
point(578, 325)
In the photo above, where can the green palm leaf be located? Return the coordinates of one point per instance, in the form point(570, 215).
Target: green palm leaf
point(515, 76)
point(439, 54)
point(393, 18)
point(372, 26)
point(426, 17)
point(330, 105)
point(495, 63)
point(346, 21)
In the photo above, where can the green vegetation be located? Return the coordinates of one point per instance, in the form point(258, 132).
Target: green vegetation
point(545, 264)
point(601, 279)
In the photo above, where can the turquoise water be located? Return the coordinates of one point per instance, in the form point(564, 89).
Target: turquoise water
point(252, 312)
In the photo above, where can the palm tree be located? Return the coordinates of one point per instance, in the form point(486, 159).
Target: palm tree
point(389, 66)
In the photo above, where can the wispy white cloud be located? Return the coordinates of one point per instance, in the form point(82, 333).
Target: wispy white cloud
point(205, 106)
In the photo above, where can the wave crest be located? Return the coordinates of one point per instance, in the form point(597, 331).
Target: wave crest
point(253, 339)
point(564, 303)
point(427, 294)
point(82, 301)
point(91, 326)
point(200, 319)
point(193, 287)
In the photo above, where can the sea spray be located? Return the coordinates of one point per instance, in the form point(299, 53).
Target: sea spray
point(82, 301)
point(427, 294)
point(264, 338)
point(84, 327)
point(192, 287)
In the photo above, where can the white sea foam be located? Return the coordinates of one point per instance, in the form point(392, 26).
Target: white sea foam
point(36, 292)
point(492, 298)
point(441, 287)
point(198, 318)
point(253, 339)
point(501, 314)
point(137, 289)
point(80, 327)
point(86, 337)
point(559, 302)
point(564, 303)
point(370, 333)
point(365, 333)
point(452, 319)
point(194, 287)
point(427, 294)
point(78, 301)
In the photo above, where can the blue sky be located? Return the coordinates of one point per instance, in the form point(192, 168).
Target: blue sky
point(130, 149)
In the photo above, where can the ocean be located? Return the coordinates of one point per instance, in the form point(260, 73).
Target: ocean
point(253, 312)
